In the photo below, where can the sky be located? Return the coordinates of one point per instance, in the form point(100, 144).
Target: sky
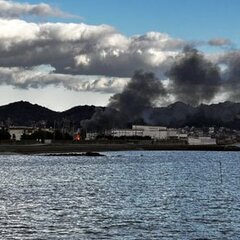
point(65, 53)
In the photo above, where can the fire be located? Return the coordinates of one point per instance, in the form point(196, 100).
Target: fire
point(77, 137)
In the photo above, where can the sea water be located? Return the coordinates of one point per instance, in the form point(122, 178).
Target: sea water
point(123, 195)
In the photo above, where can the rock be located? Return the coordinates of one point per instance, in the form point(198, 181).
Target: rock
point(93, 154)
point(87, 154)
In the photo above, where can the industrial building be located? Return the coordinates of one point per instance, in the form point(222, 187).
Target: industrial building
point(91, 136)
point(154, 132)
point(157, 133)
point(127, 133)
point(160, 133)
point(201, 141)
point(16, 132)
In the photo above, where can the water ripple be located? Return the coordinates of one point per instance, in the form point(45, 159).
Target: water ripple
point(131, 195)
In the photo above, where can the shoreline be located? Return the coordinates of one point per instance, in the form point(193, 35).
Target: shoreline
point(107, 147)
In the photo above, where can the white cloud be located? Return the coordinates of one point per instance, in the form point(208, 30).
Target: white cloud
point(40, 77)
point(83, 60)
point(81, 57)
point(12, 9)
point(84, 49)
point(218, 42)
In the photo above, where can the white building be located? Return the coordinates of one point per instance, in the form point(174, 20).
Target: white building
point(155, 132)
point(16, 132)
point(127, 133)
point(91, 136)
point(183, 136)
point(202, 141)
point(160, 133)
point(172, 133)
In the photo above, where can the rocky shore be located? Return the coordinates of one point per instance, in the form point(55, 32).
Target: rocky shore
point(84, 148)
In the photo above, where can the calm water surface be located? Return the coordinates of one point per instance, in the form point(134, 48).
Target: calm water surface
point(125, 195)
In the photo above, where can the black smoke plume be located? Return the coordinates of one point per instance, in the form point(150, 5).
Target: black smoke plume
point(141, 93)
point(231, 75)
point(193, 78)
point(133, 104)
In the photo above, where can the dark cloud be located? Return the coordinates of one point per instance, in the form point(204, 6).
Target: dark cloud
point(193, 78)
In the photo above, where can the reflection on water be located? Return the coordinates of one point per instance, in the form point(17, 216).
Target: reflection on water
point(127, 195)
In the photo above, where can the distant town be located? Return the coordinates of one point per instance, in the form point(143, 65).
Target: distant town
point(138, 133)
point(25, 123)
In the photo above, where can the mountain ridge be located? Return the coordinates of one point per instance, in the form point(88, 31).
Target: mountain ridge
point(179, 114)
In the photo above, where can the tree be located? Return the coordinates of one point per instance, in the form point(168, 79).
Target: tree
point(4, 134)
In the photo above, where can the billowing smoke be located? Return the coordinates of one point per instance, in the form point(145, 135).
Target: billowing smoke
point(231, 75)
point(194, 79)
point(141, 93)
point(133, 104)
point(104, 119)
